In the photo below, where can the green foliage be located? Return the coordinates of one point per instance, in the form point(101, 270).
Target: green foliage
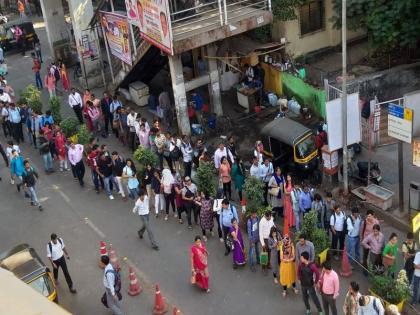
point(33, 97)
point(263, 33)
point(285, 10)
point(69, 126)
point(260, 211)
point(390, 24)
point(145, 156)
point(391, 290)
point(83, 135)
point(55, 106)
point(254, 193)
point(316, 235)
point(205, 179)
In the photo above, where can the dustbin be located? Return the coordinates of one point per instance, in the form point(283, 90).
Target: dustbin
point(414, 196)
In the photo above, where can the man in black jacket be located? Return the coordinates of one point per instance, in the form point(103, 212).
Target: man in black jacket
point(105, 106)
point(29, 178)
point(118, 164)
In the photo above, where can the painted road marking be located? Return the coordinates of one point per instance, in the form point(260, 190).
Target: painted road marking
point(95, 228)
point(43, 199)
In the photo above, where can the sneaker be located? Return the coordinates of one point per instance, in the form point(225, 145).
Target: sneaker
point(40, 208)
point(190, 227)
point(284, 293)
point(18, 187)
point(180, 221)
point(155, 247)
point(166, 218)
point(204, 238)
point(111, 197)
point(276, 281)
point(140, 234)
point(296, 291)
point(175, 215)
point(32, 203)
point(221, 240)
point(73, 290)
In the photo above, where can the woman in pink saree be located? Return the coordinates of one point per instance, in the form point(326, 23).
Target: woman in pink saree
point(199, 269)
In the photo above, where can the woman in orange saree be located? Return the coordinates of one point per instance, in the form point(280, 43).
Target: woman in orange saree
point(64, 78)
point(199, 268)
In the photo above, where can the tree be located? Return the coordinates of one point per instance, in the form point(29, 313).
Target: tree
point(55, 106)
point(33, 97)
point(390, 24)
point(285, 10)
point(205, 179)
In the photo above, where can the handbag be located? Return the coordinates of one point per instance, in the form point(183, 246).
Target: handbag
point(387, 262)
point(274, 191)
point(264, 258)
point(217, 204)
point(229, 242)
point(104, 300)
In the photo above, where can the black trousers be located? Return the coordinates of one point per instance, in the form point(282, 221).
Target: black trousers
point(191, 209)
point(61, 262)
point(338, 238)
point(17, 132)
point(187, 168)
point(78, 111)
point(7, 129)
point(132, 140)
point(219, 228)
point(328, 302)
point(79, 171)
point(169, 199)
point(107, 122)
point(227, 190)
point(310, 292)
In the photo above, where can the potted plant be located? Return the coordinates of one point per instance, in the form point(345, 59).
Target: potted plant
point(33, 97)
point(254, 197)
point(145, 156)
point(83, 135)
point(69, 126)
point(204, 179)
point(55, 106)
point(392, 291)
point(316, 235)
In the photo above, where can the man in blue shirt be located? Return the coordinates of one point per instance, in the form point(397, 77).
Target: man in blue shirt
point(47, 118)
point(15, 121)
point(253, 235)
point(227, 213)
point(305, 200)
point(17, 168)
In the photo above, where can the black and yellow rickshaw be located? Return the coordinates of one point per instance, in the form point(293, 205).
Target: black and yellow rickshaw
point(291, 146)
point(7, 37)
point(25, 264)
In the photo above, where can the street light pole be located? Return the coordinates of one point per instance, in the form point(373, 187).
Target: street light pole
point(344, 96)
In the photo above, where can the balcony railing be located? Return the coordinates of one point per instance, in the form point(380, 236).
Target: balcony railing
point(206, 12)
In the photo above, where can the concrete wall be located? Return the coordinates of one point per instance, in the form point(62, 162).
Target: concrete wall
point(300, 45)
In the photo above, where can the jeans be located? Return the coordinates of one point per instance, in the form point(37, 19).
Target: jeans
point(353, 243)
point(297, 219)
point(47, 161)
point(34, 198)
point(114, 306)
point(328, 302)
point(310, 292)
point(146, 227)
point(95, 179)
point(254, 250)
point(107, 182)
point(39, 55)
point(416, 283)
point(38, 80)
point(133, 193)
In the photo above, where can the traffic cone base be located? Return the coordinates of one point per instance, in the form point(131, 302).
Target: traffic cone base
point(176, 311)
point(160, 306)
point(134, 288)
point(102, 252)
point(345, 265)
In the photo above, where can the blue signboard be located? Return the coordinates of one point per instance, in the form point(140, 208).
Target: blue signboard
point(396, 110)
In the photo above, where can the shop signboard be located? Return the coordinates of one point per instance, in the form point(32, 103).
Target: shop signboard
point(115, 28)
point(155, 23)
point(133, 12)
point(400, 122)
point(416, 152)
point(416, 223)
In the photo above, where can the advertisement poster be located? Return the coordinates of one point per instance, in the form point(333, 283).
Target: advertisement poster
point(155, 21)
point(133, 12)
point(115, 28)
point(416, 152)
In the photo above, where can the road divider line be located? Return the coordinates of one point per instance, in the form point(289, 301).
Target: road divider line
point(95, 228)
point(65, 197)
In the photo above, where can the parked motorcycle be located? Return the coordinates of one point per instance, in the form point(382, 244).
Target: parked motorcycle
point(359, 171)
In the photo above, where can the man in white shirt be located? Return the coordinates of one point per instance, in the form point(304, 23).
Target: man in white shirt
point(187, 154)
point(4, 97)
point(112, 284)
point(354, 222)
point(369, 304)
point(75, 102)
point(75, 155)
point(416, 278)
point(221, 152)
point(142, 209)
point(337, 228)
point(255, 170)
point(266, 172)
point(266, 223)
point(55, 253)
point(131, 122)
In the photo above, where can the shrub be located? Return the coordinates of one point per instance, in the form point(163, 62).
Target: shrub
point(69, 126)
point(55, 106)
point(83, 135)
point(254, 193)
point(33, 97)
point(205, 179)
point(391, 290)
point(145, 156)
point(316, 235)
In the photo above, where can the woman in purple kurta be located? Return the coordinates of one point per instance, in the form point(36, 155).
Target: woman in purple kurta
point(238, 244)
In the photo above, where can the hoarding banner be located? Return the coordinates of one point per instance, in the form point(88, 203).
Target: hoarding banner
point(132, 12)
point(155, 21)
point(115, 28)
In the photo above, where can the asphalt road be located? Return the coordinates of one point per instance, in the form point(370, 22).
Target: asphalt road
point(83, 218)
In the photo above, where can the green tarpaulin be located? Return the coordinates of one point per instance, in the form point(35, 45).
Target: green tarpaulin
point(305, 94)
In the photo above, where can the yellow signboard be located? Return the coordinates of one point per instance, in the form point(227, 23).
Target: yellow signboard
point(408, 114)
point(416, 223)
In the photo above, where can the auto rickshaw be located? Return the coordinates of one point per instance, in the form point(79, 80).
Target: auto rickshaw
point(26, 265)
point(291, 146)
point(7, 38)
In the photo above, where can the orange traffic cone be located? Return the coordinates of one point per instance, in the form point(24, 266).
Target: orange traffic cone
point(285, 226)
point(113, 258)
point(102, 252)
point(176, 311)
point(134, 288)
point(160, 306)
point(345, 265)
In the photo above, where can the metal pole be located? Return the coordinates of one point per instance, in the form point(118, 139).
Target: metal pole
point(101, 62)
point(400, 176)
point(344, 95)
point(108, 56)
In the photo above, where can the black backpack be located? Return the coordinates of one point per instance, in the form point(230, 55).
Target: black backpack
point(50, 245)
point(56, 73)
point(409, 263)
point(117, 279)
point(345, 221)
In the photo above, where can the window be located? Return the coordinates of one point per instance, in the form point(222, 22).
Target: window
point(311, 17)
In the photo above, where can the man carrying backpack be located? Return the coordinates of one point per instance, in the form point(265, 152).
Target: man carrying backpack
point(55, 253)
point(112, 283)
point(337, 222)
point(354, 223)
point(370, 305)
point(254, 239)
